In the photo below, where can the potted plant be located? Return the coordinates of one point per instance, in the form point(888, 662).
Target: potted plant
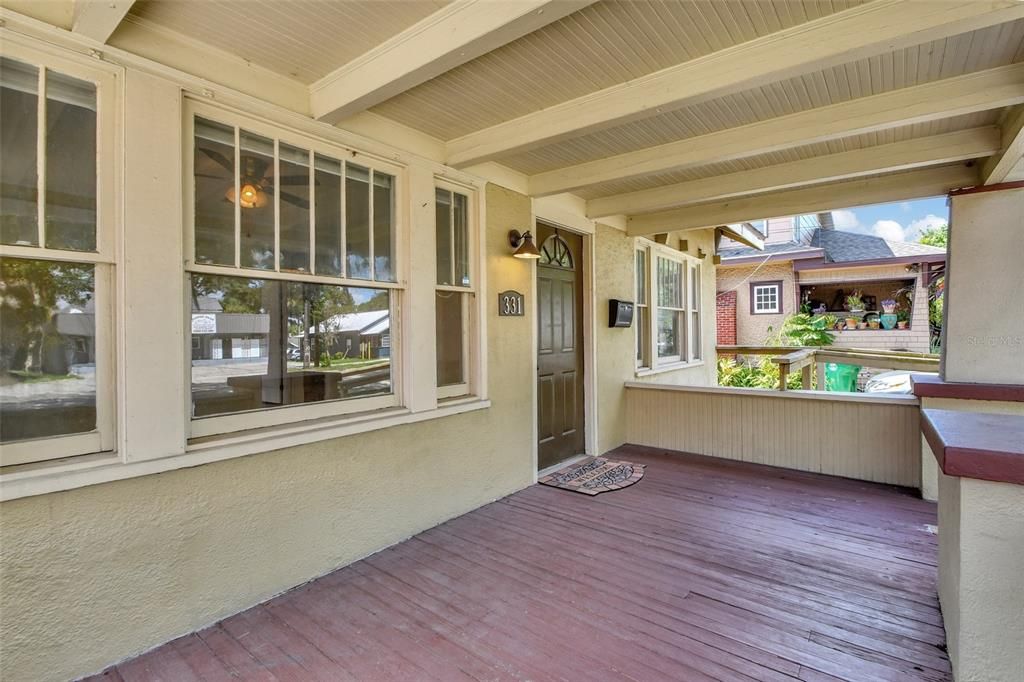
point(902, 319)
point(889, 305)
point(851, 322)
point(854, 303)
point(873, 323)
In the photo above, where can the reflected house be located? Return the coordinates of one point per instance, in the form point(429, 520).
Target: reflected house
point(364, 334)
point(77, 329)
point(219, 336)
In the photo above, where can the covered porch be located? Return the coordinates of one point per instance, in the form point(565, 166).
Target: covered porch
point(345, 275)
point(707, 569)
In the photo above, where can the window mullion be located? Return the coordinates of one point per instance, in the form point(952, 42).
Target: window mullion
point(312, 211)
point(369, 213)
point(344, 220)
point(238, 198)
point(451, 238)
point(652, 307)
point(277, 205)
point(41, 160)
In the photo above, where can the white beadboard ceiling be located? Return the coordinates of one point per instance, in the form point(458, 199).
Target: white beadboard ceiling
point(301, 39)
point(845, 144)
point(954, 56)
point(604, 44)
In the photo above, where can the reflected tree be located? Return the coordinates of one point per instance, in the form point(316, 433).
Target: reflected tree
point(31, 292)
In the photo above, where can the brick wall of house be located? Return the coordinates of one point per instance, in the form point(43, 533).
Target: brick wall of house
point(725, 318)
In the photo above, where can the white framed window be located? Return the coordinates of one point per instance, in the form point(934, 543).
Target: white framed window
point(765, 297)
point(641, 309)
point(293, 273)
point(668, 308)
point(455, 289)
point(58, 220)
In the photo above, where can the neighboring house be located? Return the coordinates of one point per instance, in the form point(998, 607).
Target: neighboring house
point(219, 336)
point(806, 260)
point(362, 334)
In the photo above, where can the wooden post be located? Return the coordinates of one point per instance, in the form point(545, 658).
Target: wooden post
point(806, 377)
point(783, 375)
point(820, 377)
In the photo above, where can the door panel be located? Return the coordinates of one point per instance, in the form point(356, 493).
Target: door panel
point(559, 355)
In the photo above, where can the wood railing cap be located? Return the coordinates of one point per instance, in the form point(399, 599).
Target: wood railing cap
point(926, 386)
point(980, 445)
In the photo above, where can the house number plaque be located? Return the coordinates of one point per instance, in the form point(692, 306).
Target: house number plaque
point(510, 304)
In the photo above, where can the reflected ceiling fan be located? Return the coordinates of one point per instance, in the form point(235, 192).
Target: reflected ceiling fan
point(255, 187)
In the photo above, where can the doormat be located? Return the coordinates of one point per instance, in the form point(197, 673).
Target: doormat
point(595, 475)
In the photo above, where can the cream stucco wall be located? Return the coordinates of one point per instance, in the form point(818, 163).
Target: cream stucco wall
point(983, 333)
point(981, 585)
point(93, 575)
point(616, 352)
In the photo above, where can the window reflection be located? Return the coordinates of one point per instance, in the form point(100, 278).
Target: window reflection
point(70, 163)
point(294, 182)
point(450, 313)
point(256, 197)
point(18, 181)
point(214, 162)
point(260, 343)
point(47, 349)
point(357, 221)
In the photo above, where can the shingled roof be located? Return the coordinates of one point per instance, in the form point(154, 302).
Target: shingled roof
point(843, 247)
point(840, 247)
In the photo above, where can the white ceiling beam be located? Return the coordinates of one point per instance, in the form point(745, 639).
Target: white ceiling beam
point(1002, 167)
point(744, 233)
point(454, 35)
point(973, 92)
point(903, 186)
point(920, 152)
point(877, 27)
point(97, 19)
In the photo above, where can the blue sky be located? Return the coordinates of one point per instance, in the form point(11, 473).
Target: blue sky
point(901, 221)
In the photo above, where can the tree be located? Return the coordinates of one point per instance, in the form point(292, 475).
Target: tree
point(935, 236)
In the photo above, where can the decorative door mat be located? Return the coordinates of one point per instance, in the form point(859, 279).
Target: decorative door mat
point(595, 475)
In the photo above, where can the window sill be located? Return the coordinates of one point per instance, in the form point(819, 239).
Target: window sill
point(671, 367)
point(48, 477)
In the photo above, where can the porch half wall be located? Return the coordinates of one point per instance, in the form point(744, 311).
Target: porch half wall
point(866, 437)
point(96, 574)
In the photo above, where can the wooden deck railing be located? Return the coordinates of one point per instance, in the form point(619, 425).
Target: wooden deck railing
point(871, 437)
point(793, 358)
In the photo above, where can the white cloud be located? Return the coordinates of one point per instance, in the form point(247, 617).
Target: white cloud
point(906, 207)
point(845, 220)
point(848, 221)
point(888, 229)
point(917, 227)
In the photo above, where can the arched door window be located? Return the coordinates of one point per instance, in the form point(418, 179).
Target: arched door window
point(555, 252)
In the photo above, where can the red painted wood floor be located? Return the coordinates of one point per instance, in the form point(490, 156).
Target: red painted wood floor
point(705, 570)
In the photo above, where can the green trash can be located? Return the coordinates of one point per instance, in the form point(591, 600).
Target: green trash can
point(840, 377)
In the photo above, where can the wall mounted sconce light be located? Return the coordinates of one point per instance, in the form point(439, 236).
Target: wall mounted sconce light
point(523, 244)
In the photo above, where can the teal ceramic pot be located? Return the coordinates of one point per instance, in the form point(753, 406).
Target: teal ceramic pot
point(888, 320)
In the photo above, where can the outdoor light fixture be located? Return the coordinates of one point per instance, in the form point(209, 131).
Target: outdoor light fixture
point(523, 244)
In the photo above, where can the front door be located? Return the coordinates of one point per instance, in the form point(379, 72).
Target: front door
point(559, 346)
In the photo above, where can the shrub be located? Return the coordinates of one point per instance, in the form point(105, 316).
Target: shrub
point(764, 374)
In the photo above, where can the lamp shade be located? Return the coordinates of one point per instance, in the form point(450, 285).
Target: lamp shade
point(525, 248)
